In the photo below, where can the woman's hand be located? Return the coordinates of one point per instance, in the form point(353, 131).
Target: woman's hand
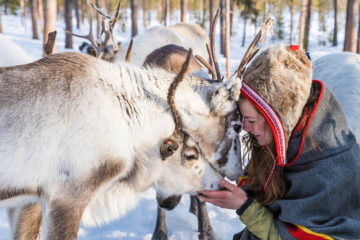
point(232, 197)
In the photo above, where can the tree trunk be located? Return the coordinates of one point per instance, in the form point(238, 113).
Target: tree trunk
point(302, 22)
point(160, 10)
point(77, 14)
point(350, 26)
point(244, 34)
point(23, 11)
point(266, 10)
point(183, 8)
point(358, 36)
point(307, 25)
point(49, 20)
point(165, 10)
point(133, 6)
point(222, 27)
point(41, 14)
point(145, 13)
point(211, 13)
point(231, 16)
point(34, 19)
point(0, 19)
point(335, 42)
point(100, 4)
point(68, 24)
point(227, 37)
point(291, 6)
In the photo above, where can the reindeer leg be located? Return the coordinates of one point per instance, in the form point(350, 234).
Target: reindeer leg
point(205, 229)
point(27, 225)
point(62, 219)
point(194, 206)
point(160, 231)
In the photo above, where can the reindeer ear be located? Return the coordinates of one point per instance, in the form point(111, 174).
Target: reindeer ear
point(168, 148)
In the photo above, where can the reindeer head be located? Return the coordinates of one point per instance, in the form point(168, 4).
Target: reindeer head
point(205, 136)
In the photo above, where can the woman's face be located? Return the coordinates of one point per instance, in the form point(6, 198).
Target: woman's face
point(255, 123)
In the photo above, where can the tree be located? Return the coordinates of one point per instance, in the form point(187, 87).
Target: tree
point(304, 4)
point(41, 14)
point(358, 37)
point(222, 26)
point(145, 12)
point(68, 24)
point(307, 25)
point(77, 14)
point(33, 7)
point(99, 18)
point(227, 37)
point(335, 42)
point(183, 6)
point(291, 7)
point(266, 10)
point(350, 26)
point(23, 11)
point(133, 6)
point(211, 13)
point(165, 10)
point(49, 20)
point(0, 19)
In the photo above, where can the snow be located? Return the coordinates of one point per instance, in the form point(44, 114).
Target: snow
point(139, 223)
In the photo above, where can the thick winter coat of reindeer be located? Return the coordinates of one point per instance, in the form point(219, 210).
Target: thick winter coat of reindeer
point(187, 35)
point(340, 72)
point(12, 54)
point(83, 137)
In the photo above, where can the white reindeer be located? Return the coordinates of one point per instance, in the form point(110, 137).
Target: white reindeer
point(12, 54)
point(82, 137)
point(340, 72)
point(187, 35)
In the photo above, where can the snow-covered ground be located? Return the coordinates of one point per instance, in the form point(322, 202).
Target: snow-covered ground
point(139, 222)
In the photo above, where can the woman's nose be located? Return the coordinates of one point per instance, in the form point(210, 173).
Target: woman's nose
point(246, 127)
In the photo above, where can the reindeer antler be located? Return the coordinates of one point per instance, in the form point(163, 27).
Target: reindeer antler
point(172, 90)
point(128, 52)
point(171, 144)
point(211, 51)
point(255, 46)
point(99, 50)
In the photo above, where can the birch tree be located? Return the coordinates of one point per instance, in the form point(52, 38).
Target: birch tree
point(350, 26)
point(33, 7)
point(304, 4)
point(334, 41)
point(68, 24)
point(133, 6)
point(49, 20)
point(183, 10)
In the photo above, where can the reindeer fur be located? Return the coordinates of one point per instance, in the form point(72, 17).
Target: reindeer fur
point(186, 35)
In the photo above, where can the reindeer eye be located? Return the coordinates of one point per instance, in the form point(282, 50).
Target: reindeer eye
point(190, 157)
point(237, 128)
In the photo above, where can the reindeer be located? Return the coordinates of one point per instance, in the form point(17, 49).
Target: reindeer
point(12, 54)
point(340, 72)
point(186, 35)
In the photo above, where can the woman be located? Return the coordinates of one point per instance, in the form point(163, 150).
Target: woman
point(303, 173)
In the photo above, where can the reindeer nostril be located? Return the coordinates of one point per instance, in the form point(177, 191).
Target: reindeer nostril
point(237, 128)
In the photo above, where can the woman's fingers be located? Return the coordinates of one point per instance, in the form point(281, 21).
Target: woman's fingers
point(228, 185)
